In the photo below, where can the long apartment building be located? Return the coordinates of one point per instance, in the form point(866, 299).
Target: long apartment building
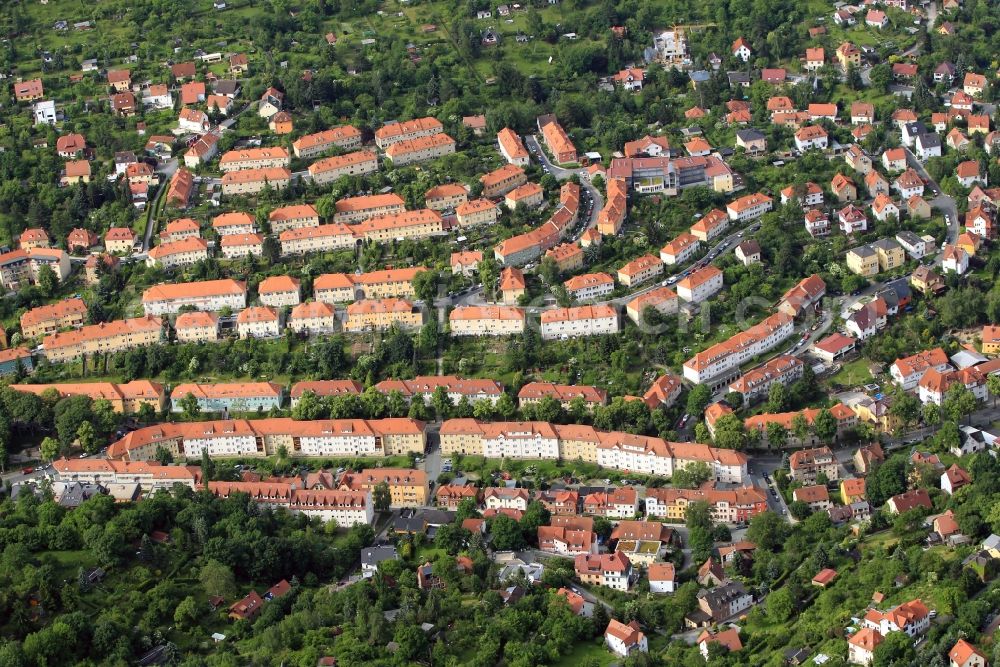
point(729, 506)
point(107, 337)
point(356, 209)
point(323, 238)
point(126, 398)
point(344, 287)
point(65, 314)
point(593, 320)
point(756, 383)
point(412, 151)
point(420, 224)
point(263, 437)
point(150, 476)
point(172, 254)
point(293, 217)
point(381, 314)
point(845, 417)
point(346, 508)
point(232, 397)
point(254, 158)
point(534, 392)
point(486, 321)
point(343, 137)
point(424, 386)
point(719, 360)
point(329, 169)
point(407, 488)
point(623, 451)
point(210, 295)
point(393, 133)
point(252, 181)
point(523, 248)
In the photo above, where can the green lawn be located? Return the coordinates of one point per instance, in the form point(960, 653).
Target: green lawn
point(594, 652)
point(853, 373)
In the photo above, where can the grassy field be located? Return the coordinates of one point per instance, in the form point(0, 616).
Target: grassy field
point(853, 373)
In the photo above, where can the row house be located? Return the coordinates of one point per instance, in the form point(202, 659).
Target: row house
point(486, 321)
point(344, 507)
point(357, 209)
point(312, 318)
point(234, 397)
point(534, 392)
point(843, 415)
point(419, 224)
point(65, 314)
point(328, 170)
point(344, 287)
point(423, 388)
point(524, 248)
point(381, 314)
point(756, 383)
point(104, 338)
point(197, 327)
point(592, 320)
point(417, 150)
point(727, 506)
point(125, 398)
point(252, 181)
point(324, 389)
point(393, 133)
point(149, 476)
point(262, 322)
point(280, 291)
point(210, 295)
point(322, 238)
point(619, 503)
point(343, 137)
point(254, 158)
point(293, 217)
